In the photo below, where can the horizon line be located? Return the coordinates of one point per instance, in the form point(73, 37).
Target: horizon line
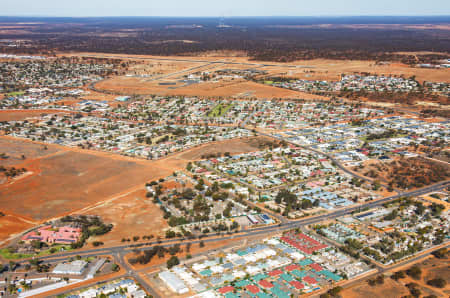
point(218, 16)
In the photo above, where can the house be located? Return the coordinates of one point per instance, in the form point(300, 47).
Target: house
point(49, 234)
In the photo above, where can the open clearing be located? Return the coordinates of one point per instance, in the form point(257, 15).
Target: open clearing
point(18, 115)
point(66, 180)
point(234, 146)
point(11, 225)
point(70, 180)
point(390, 289)
point(316, 69)
point(239, 89)
point(131, 215)
point(406, 172)
point(431, 268)
point(14, 149)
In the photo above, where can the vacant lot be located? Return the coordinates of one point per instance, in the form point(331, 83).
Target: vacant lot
point(132, 215)
point(65, 180)
point(15, 149)
point(390, 289)
point(239, 89)
point(406, 172)
point(17, 115)
point(68, 180)
point(316, 69)
point(234, 146)
point(11, 225)
point(431, 268)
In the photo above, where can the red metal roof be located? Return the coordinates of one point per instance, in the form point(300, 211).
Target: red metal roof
point(310, 280)
point(226, 289)
point(275, 272)
point(316, 267)
point(298, 285)
point(253, 289)
point(292, 267)
point(265, 284)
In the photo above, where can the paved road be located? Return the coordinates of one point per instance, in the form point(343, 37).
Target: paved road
point(119, 251)
point(253, 232)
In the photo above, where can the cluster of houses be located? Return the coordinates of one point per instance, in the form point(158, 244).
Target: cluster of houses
point(271, 168)
point(50, 73)
point(183, 200)
point(352, 144)
point(261, 175)
point(368, 83)
point(327, 193)
point(265, 114)
point(284, 115)
point(119, 136)
point(284, 266)
point(188, 110)
point(389, 234)
point(37, 98)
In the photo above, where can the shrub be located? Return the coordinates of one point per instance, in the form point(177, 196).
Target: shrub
point(437, 282)
point(415, 272)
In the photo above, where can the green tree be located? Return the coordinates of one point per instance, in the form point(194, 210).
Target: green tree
point(173, 261)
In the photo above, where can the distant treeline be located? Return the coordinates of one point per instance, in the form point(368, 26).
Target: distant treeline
point(276, 39)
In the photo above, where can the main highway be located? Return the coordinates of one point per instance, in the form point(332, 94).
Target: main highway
point(118, 252)
point(111, 250)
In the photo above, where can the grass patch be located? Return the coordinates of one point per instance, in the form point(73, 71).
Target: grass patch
point(6, 254)
point(219, 110)
point(16, 93)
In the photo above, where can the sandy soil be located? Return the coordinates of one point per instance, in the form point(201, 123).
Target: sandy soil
point(66, 180)
point(12, 224)
point(131, 215)
point(411, 171)
point(17, 115)
point(431, 268)
point(390, 289)
point(15, 149)
point(239, 89)
point(317, 69)
point(234, 146)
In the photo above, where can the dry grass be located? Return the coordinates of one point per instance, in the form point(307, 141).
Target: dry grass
point(131, 215)
point(69, 180)
point(431, 268)
point(317, 69)
point(72, 181)
point(239, 89)
point(406, 172)
point(18, 115)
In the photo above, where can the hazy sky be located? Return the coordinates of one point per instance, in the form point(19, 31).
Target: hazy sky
point(225, 8)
